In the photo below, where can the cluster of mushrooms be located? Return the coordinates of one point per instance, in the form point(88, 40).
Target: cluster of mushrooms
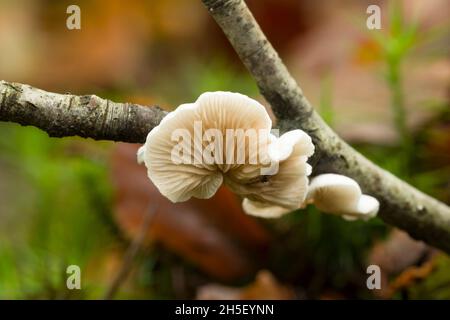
point(265, 195)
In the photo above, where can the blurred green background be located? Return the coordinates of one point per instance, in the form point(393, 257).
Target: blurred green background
point(385, 91)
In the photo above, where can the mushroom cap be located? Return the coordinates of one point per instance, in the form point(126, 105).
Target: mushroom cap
point(274, 195)
point(368, 207)
point(214, 110)
point(341, 195)
point(283, 147)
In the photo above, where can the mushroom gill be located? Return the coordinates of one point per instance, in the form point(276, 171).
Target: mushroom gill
point(225, 137)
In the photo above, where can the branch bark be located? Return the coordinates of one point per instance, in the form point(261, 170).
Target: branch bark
point(90, 116)
point(400, 204)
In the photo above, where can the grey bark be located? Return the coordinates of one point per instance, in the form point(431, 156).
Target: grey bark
point(60, 115)
point(88, 116)
point(401, 204)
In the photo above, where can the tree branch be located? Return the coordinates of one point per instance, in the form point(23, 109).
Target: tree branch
point(90, 116)
point(401, 204)
point(62, 115)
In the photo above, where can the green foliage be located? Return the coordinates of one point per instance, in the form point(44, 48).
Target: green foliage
point(325, 104)
point(62, 226)
point(324, 250)
point(396, 45)
point(435, 285)
point(195, 77)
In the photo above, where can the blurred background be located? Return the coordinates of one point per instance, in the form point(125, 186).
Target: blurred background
point(79, 202)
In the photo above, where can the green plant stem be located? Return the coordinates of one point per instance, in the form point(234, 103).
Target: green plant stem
point(398, 109)
point(325, 106)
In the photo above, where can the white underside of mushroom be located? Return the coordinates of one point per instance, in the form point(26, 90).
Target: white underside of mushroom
point(285, 188)
point(263, 210)
point(341, 195)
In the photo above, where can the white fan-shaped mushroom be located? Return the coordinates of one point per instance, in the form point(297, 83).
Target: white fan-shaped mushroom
point(286, 190)
point(249, 172)
point(341, 195)
point(180, 176)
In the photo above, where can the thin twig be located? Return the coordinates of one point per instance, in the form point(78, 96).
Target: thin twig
point(88, 116)
point(131, 253)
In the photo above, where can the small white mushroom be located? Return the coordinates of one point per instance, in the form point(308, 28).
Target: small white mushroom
point(341, 195)
point(285, 191)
